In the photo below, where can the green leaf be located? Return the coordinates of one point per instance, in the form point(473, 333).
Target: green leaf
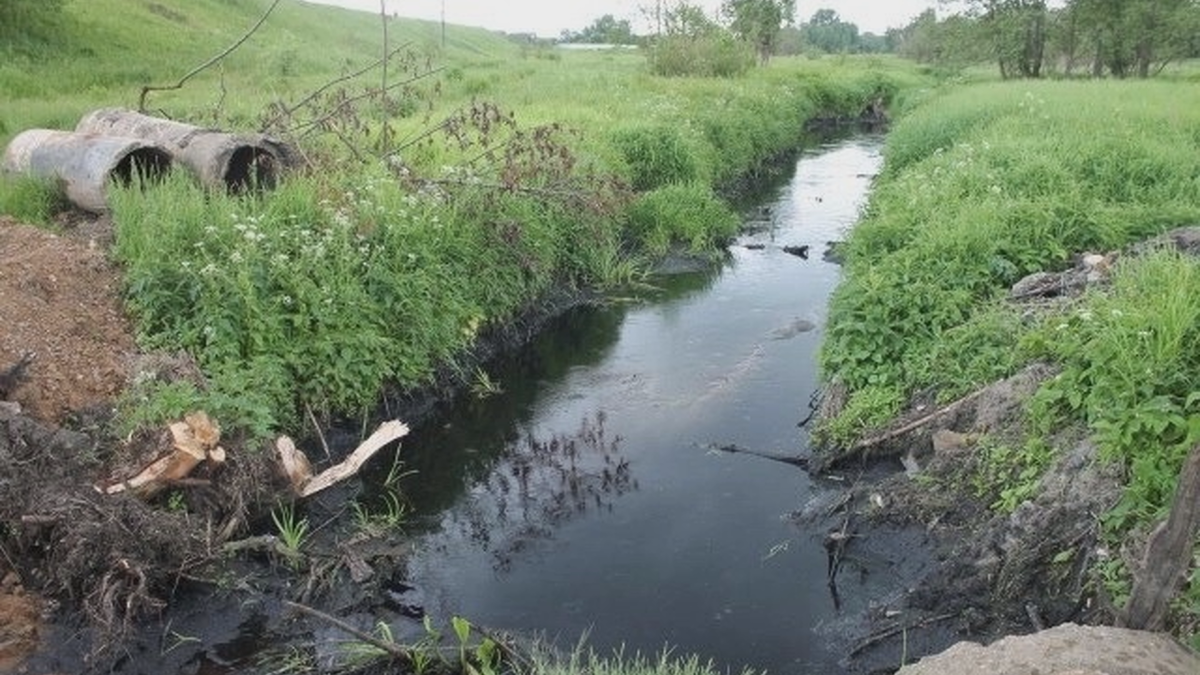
point(462, 628)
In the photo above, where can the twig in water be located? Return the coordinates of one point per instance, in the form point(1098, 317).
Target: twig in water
point(876, 638)
point(392, 649)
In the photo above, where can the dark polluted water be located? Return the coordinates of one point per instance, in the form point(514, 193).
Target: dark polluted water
point(589, 497)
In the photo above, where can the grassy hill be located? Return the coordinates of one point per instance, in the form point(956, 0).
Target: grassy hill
point(101, 52)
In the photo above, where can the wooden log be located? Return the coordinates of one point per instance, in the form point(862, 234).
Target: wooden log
point(1168, 554)
point(386, 433)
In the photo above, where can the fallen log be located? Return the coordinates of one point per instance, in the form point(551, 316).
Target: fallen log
point(1168, 554)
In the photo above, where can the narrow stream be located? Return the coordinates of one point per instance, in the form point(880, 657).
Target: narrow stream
point(588, 496)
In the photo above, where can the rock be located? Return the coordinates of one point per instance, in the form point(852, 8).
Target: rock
point(1185, 239)
point(945, 440)
point(791, 330)
point(1067, 649)
point(798, 251)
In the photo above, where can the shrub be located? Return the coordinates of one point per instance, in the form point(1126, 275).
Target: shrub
point(716, 55)
point(657, 155)
point(689, 213)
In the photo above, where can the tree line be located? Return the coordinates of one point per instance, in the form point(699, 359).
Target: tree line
point(1027, 38)
point(686, 40)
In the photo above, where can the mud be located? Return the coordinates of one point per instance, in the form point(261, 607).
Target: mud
point(992, 574)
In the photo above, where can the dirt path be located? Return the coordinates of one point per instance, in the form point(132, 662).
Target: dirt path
point(60, 299)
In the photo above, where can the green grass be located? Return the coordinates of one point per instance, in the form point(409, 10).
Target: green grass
point(583, 660)
point(422, 222)
point(988, 183)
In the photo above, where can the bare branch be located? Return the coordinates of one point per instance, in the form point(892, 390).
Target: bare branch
point(209, 63)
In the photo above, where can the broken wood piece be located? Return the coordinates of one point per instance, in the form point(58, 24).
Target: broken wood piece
point(297, 468)
point(1168, 554)
point(294, 463)
point(193, 441)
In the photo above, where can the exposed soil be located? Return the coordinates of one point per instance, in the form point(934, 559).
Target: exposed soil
point(20, 622)
point(61, 313)
point(60, 301)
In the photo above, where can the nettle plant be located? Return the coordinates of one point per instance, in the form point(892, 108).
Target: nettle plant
point(366, 270)
point(1130, 370)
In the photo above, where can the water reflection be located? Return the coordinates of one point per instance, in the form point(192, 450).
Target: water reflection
point(583, 499)
point(537, 485)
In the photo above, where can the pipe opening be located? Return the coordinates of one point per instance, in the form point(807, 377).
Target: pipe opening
point(148, 165)
point(250, 168)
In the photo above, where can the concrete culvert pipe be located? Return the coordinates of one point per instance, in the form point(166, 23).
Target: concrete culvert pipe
point(234, 161)
point(84, 165)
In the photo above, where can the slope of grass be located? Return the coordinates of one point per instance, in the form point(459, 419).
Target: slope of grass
point(101, 52)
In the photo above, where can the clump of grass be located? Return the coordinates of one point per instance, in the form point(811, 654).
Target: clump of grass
point(688, 213)
point(866, 409)
point(583, 660)
point(30, 200)
point(1130, 369)
point(996, 181)
point(966, 210)
point(657, 156)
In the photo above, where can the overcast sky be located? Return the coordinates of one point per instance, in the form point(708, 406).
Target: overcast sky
point(548, 18)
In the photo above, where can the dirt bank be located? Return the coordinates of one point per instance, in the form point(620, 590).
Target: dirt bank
point(1001, 570)
point(60, 302)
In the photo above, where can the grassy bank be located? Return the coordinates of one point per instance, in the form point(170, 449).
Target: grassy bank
point(992, 182)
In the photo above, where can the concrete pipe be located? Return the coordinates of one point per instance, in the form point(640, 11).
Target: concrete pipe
point(83, 165)
point(234, 161)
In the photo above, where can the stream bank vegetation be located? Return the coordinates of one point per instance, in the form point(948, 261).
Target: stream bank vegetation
point(445, 186)
point(983, 187)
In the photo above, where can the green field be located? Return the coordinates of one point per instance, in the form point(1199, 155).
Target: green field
point(507, 172)
point(504, 172)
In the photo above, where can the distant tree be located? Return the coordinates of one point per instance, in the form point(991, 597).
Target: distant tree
point(870, 43)
point(1135, 37)
point(953, 42)
point(605, 30)
point(1017, 32)
point(690, 43)
point(684, 19)
point(758, 22)
point(827, 32)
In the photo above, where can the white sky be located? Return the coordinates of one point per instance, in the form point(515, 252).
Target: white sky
point(548, 18)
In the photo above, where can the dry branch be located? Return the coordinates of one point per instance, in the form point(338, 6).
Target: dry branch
point(873, 441)
point(296, 466)
point(394, 650)
point(207, 64)
point(287, 111)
